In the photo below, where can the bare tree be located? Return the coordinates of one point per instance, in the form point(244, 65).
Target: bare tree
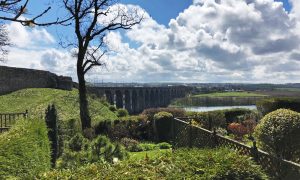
point(12, 10)
point(92, 19)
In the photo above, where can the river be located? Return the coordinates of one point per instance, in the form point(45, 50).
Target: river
point(213, 108)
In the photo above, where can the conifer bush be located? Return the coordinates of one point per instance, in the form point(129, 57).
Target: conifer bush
point(52, 124)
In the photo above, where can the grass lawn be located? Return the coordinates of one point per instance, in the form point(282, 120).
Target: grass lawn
point(36, 101)
point(150, 154)
point(230, 94)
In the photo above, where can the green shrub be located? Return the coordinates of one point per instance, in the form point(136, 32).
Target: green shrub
point(232, 115)
point(210, 120)
point(131, 145)
point(25, 150)
point(122, 113)
point(266, 106)
point(72, 159)
point(148, 146)
point(112, 108)
point(99, 149)
point(102, 149)
point(279, 133)
point(103, 127)
point(162, 125)
point(164, 145)
point(77, 142)
point(149, 113)
point(52, 125)
point(89, 133)
point(182, 164)
point(136, 128)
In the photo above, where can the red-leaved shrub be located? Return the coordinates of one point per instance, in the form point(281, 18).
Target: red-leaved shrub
point(238, 130)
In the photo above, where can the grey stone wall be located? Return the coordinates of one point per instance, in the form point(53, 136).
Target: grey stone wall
point(12, 79)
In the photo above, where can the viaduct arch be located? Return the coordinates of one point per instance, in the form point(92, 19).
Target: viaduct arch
point(136, 99)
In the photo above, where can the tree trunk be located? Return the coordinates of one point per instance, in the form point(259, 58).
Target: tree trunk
point(84, 106)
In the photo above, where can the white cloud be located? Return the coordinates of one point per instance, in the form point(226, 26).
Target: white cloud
point(211, 41)
point(216, 40)
point(24, 37)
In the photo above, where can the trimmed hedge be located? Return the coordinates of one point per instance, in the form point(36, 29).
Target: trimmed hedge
point(279, 133)
point(182, 164)
point(25, 150)
point(162, 126)
point(268, 105)
point(149, 113)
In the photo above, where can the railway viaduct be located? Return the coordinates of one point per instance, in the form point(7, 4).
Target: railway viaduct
point(136, 99)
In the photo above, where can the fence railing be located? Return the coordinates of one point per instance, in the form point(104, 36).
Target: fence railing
point(184, 134)
point(9, 119)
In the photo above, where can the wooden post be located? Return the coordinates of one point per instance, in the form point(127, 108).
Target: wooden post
point(215, 140)
point(254, 150)
point(5, 121)
point(173, 132)
point(209, 123)
point(1, 125)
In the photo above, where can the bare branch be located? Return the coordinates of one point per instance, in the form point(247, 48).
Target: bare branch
point(17, 9)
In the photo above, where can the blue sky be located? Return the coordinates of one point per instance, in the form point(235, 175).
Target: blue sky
point(286, 4)
point(180, 41)
point(161, 11)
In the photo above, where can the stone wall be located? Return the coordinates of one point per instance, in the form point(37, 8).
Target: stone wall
point(12, 79)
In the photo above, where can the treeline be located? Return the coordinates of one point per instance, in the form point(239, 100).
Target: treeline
point(271, 104)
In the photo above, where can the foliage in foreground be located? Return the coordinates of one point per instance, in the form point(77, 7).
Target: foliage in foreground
point(24, 150)
point(183, 163)
point(279, 133)
point(81, 151)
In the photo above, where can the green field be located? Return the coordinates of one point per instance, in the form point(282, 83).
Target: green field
point(67, 103)
point(230, 94)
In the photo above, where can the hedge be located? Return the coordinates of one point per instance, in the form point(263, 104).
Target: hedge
point(162, 126)
point(176, 112)
point(24, 150)
point(268, 105)
point(279, 133)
